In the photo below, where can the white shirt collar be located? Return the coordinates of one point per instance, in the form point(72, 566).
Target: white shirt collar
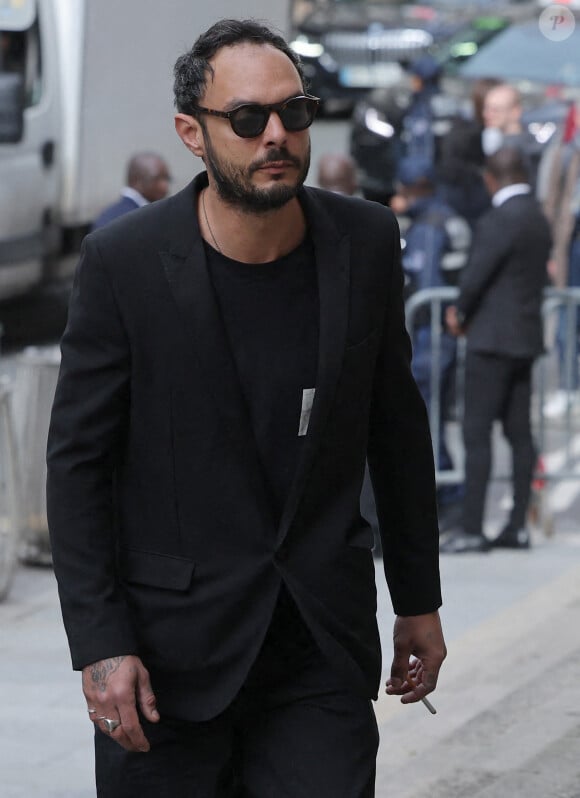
point(507, 192)
point(130, 193)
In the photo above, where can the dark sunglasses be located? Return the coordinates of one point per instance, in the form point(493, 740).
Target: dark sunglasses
point(250, 120)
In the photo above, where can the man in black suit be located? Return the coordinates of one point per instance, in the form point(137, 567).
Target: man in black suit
point(499, 309)
point(148, 180)
point(232, 355)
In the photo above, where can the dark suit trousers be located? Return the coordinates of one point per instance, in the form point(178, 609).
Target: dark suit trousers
point(497, 387)
point(292, 732)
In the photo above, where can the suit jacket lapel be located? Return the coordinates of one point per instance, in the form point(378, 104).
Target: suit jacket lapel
point(333, 269)
point(190, 283)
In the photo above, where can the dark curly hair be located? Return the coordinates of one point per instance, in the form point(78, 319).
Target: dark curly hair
point(192, 68)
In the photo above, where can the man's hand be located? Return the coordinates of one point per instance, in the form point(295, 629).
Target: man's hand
point(113, 689)
point(419, 637)
point(452, 321)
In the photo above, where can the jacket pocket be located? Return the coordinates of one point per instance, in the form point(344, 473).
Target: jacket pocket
point(368, 338)
point(156, 570)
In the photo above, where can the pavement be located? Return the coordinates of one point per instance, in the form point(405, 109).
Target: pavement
point(46, 738)
point(508, 700)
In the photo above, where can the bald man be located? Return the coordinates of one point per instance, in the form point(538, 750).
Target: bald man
point(502, 109)
point(337, 172)
point(503, 126)
point(147, 181)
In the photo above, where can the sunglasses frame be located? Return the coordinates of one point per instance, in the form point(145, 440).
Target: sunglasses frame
point(278, 107)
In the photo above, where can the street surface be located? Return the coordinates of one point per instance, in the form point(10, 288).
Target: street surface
point(508, 701)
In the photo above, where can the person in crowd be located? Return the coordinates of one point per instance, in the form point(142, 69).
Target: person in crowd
point(148, 180)
point(337, 172)
point(459, 178)
point(417, 137)
point(559, 187)
point(503, 126)
point(461, 158)
point(436, 245)
point(499, 309)
point(479, 90)
point(233, 355)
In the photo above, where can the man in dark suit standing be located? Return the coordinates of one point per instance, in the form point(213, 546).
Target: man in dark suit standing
point(232, 355)
point(499, 309)
point(148, 180)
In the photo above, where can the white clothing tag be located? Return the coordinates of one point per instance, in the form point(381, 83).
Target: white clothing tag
point(307, 401)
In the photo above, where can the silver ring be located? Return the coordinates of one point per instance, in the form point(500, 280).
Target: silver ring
point(90, 711)
point(110, 724)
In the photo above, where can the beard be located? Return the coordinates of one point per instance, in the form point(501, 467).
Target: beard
point(234, 186)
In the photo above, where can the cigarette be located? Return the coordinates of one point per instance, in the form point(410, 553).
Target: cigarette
point(426, 701)
point(429, 706)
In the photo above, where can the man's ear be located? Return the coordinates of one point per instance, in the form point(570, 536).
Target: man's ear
point(190, 132)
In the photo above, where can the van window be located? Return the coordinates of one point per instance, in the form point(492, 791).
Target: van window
point(20, 52)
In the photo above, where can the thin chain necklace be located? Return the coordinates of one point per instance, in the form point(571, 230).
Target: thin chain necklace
point(213, 238)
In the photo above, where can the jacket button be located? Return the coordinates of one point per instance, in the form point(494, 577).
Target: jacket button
point(282, 553)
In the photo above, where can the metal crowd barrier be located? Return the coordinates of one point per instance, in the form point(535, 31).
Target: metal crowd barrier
point(435, 299)
point(25, 404)
point(9, 490)
point(556, 299)
point(34, 387)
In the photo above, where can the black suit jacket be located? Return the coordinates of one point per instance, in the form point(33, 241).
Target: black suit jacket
point(501, 287)
point(164, 536)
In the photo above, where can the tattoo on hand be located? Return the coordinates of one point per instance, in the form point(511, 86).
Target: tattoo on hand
point(100, 671)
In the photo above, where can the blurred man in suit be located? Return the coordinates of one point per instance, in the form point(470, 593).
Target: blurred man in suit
point(499, 308)
point(148, 180)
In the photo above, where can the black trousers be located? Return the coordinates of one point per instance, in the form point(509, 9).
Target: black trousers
point(292, 732)
point(497, 387)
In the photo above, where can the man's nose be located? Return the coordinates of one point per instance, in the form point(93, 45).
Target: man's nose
point(275, 130)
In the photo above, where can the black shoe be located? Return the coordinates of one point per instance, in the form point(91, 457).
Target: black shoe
point(459, 542)
point(512, 539)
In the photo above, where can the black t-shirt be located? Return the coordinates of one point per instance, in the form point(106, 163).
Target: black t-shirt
point(270, 312)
